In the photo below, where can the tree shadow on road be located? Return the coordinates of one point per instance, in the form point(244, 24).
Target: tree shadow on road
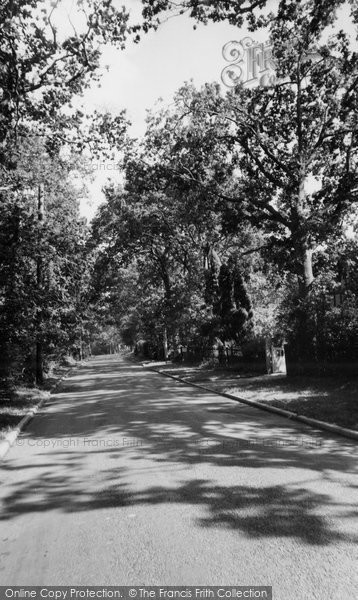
point(129, 428)
point(273, 511)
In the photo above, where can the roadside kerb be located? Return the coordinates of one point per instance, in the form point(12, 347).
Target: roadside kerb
point(349, 433)
point(10, 438)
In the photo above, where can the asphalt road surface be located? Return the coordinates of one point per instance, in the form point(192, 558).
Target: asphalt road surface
point(127, 477)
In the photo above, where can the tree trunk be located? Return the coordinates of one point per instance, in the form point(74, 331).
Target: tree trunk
point(39, 363)
point(299, 216)
point(165, 343)
point(82, 354)
point(39, 343)
point(307, 269)
point(307, 330)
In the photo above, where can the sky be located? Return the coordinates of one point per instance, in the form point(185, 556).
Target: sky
point(155, 68)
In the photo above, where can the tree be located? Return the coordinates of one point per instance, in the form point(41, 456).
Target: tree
point(166, 230)
point(276, 178)
point(256, 13)
point(230, 313)
point(332, 304)
point(141, 239)
point(42, 70)
point(42, 263)
point(316, 104)
point(275, 167)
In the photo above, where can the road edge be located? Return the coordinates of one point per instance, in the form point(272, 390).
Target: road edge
point(10, 438)
point(322, 425)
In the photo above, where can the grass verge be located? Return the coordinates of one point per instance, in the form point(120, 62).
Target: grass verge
point(15, 405)
point(330, 399)
point(17, 402)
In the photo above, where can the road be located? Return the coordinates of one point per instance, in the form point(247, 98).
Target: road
point(127, 477)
